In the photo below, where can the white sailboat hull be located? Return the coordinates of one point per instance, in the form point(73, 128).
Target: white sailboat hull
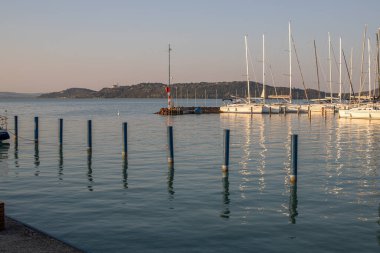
point(293, 108)
point(344, 113)
point(250, 109)
point(360, 113)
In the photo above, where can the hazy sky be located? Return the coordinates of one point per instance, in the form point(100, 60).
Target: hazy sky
point(53, 45)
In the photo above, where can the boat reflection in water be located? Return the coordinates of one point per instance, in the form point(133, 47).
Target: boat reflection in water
point(361, 151)
point(249, 135)
point(4, 148)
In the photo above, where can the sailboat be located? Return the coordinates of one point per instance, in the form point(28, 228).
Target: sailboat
point(290, 107)
point(370, 110)
point(246, 105)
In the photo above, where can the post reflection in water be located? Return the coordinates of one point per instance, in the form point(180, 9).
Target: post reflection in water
point(293, 202)
point(378, 232)
point(226, 197)
point(60, 165)
point(89, 172)
point(36, 159)
point(171, 180)
point(125, 173)
point(16, 154)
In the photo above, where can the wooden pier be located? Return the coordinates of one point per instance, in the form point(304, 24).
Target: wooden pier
point(188, 110)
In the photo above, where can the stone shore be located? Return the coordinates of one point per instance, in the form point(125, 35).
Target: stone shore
point(17, 237)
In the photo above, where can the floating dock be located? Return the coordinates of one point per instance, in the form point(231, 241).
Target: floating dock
point(188, 110)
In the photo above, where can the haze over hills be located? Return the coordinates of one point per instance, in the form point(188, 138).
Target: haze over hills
point(200, 90)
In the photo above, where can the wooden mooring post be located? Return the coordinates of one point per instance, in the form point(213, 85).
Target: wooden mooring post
point(226, 150)
point(16, 127)
point(170, 145)
point(89, 136)
point(125, 141)
point(36, 130)
point(60, 132)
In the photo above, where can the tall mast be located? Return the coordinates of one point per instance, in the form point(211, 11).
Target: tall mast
point(264, 95)
point(351, 68)
point(169, 65)
point(330, 68)
point(349, 77)
point(316, 63)
point(299, 67)
point(170, 104)
point(378, 59)
point(369, 70)
point(362, 63)
point(246, 63)
point(340, 69)
point(290, 63)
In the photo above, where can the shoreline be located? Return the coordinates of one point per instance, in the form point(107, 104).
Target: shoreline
point(20, 237)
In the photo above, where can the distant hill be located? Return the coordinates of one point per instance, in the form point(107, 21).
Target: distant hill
point(71, 93)
point(18, 95)
point(183, 90)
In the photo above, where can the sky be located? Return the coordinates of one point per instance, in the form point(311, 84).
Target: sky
point(51, 45)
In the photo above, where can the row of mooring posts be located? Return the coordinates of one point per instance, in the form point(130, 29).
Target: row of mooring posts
point(170, 144)
point(293, 201)
point(60, 134)
point(226, 152)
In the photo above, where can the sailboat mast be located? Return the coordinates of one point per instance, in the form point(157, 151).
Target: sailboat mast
point(340, 69)
point(170, 104)
point(349, 77)
point(330, 68)
point(351, 68)
point(378, 59)
point(316, 63)
point(169, 65)
point(369, 69)
point(246, 63)
point(362, 63)
point(264, 94)
point(290, 63)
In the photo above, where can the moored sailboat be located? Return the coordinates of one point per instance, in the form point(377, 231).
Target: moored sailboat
point(249, 105)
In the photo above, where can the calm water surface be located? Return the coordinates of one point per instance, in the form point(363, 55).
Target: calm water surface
point(101, 204)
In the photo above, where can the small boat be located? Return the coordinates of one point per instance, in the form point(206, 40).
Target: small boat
point(4, 135)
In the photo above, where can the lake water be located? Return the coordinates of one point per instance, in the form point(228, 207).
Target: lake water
point(101, 204)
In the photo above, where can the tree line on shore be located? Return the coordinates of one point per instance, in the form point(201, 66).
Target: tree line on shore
point(210, 90)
